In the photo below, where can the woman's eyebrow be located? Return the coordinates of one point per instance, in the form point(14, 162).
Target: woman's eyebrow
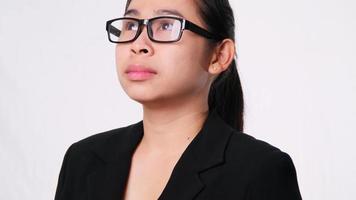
point(168, 11)
point(134, 12)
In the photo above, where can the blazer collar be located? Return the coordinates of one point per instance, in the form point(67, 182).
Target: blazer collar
point(205, 151)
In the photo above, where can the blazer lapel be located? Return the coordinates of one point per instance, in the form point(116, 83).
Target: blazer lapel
point(109, 181)
point(204, 152)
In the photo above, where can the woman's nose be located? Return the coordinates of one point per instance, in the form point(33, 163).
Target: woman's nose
point(142, 44)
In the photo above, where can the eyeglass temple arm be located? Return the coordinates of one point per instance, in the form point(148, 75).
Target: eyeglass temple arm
point(196, 29)
point(111, 29)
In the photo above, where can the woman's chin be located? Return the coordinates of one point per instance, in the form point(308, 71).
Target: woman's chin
point(140, 95)
point(149, 99)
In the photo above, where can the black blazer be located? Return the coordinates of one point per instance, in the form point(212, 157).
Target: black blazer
point(220, 163)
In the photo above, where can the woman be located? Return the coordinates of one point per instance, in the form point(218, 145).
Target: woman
point(177, 58)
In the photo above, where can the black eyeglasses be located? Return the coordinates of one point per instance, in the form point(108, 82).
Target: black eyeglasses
point(162, 29)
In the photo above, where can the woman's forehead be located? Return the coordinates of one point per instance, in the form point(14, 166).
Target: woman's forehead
point(145, 8)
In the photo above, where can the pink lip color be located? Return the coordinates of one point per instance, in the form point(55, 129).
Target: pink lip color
point(139, 75)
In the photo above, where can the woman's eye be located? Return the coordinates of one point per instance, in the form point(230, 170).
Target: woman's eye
point(130, 26)
point(166, 26)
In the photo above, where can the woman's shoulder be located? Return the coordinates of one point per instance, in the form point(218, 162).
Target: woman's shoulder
point(98, 140)
point(246, 143)
point(269, 171)
point(255, 152)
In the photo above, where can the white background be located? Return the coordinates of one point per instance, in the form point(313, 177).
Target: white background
point(58, 85)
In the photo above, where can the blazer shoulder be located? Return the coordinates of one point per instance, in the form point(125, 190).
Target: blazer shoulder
point(96, 140)
point(244, 143)
point(271, 172)
point(254, 152)
point(80, 160)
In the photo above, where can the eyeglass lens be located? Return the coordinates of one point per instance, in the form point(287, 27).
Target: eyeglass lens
point(160, 29)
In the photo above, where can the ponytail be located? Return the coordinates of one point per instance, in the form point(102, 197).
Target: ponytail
point(225, 93)
point(226, 97)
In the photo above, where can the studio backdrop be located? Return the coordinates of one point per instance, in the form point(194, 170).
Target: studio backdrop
point(58, 85)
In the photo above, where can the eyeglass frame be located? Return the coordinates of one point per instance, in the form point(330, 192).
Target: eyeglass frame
point(185, 25)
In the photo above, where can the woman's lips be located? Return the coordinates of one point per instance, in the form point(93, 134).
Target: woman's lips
point(139, 75)
point(139, 72)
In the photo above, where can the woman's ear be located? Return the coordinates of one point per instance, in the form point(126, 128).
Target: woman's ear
point(222, 57)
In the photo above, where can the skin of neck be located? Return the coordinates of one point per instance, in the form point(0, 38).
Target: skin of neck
point(171, 125)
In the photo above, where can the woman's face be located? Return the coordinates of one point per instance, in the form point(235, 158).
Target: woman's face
point(181, 67)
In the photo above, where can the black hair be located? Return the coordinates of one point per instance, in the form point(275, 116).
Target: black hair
point(225, 93)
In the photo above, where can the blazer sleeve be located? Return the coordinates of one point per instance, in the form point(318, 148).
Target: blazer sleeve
point(63, 175)
point(275, 179)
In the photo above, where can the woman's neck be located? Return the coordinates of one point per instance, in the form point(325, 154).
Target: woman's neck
point(169, 131)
